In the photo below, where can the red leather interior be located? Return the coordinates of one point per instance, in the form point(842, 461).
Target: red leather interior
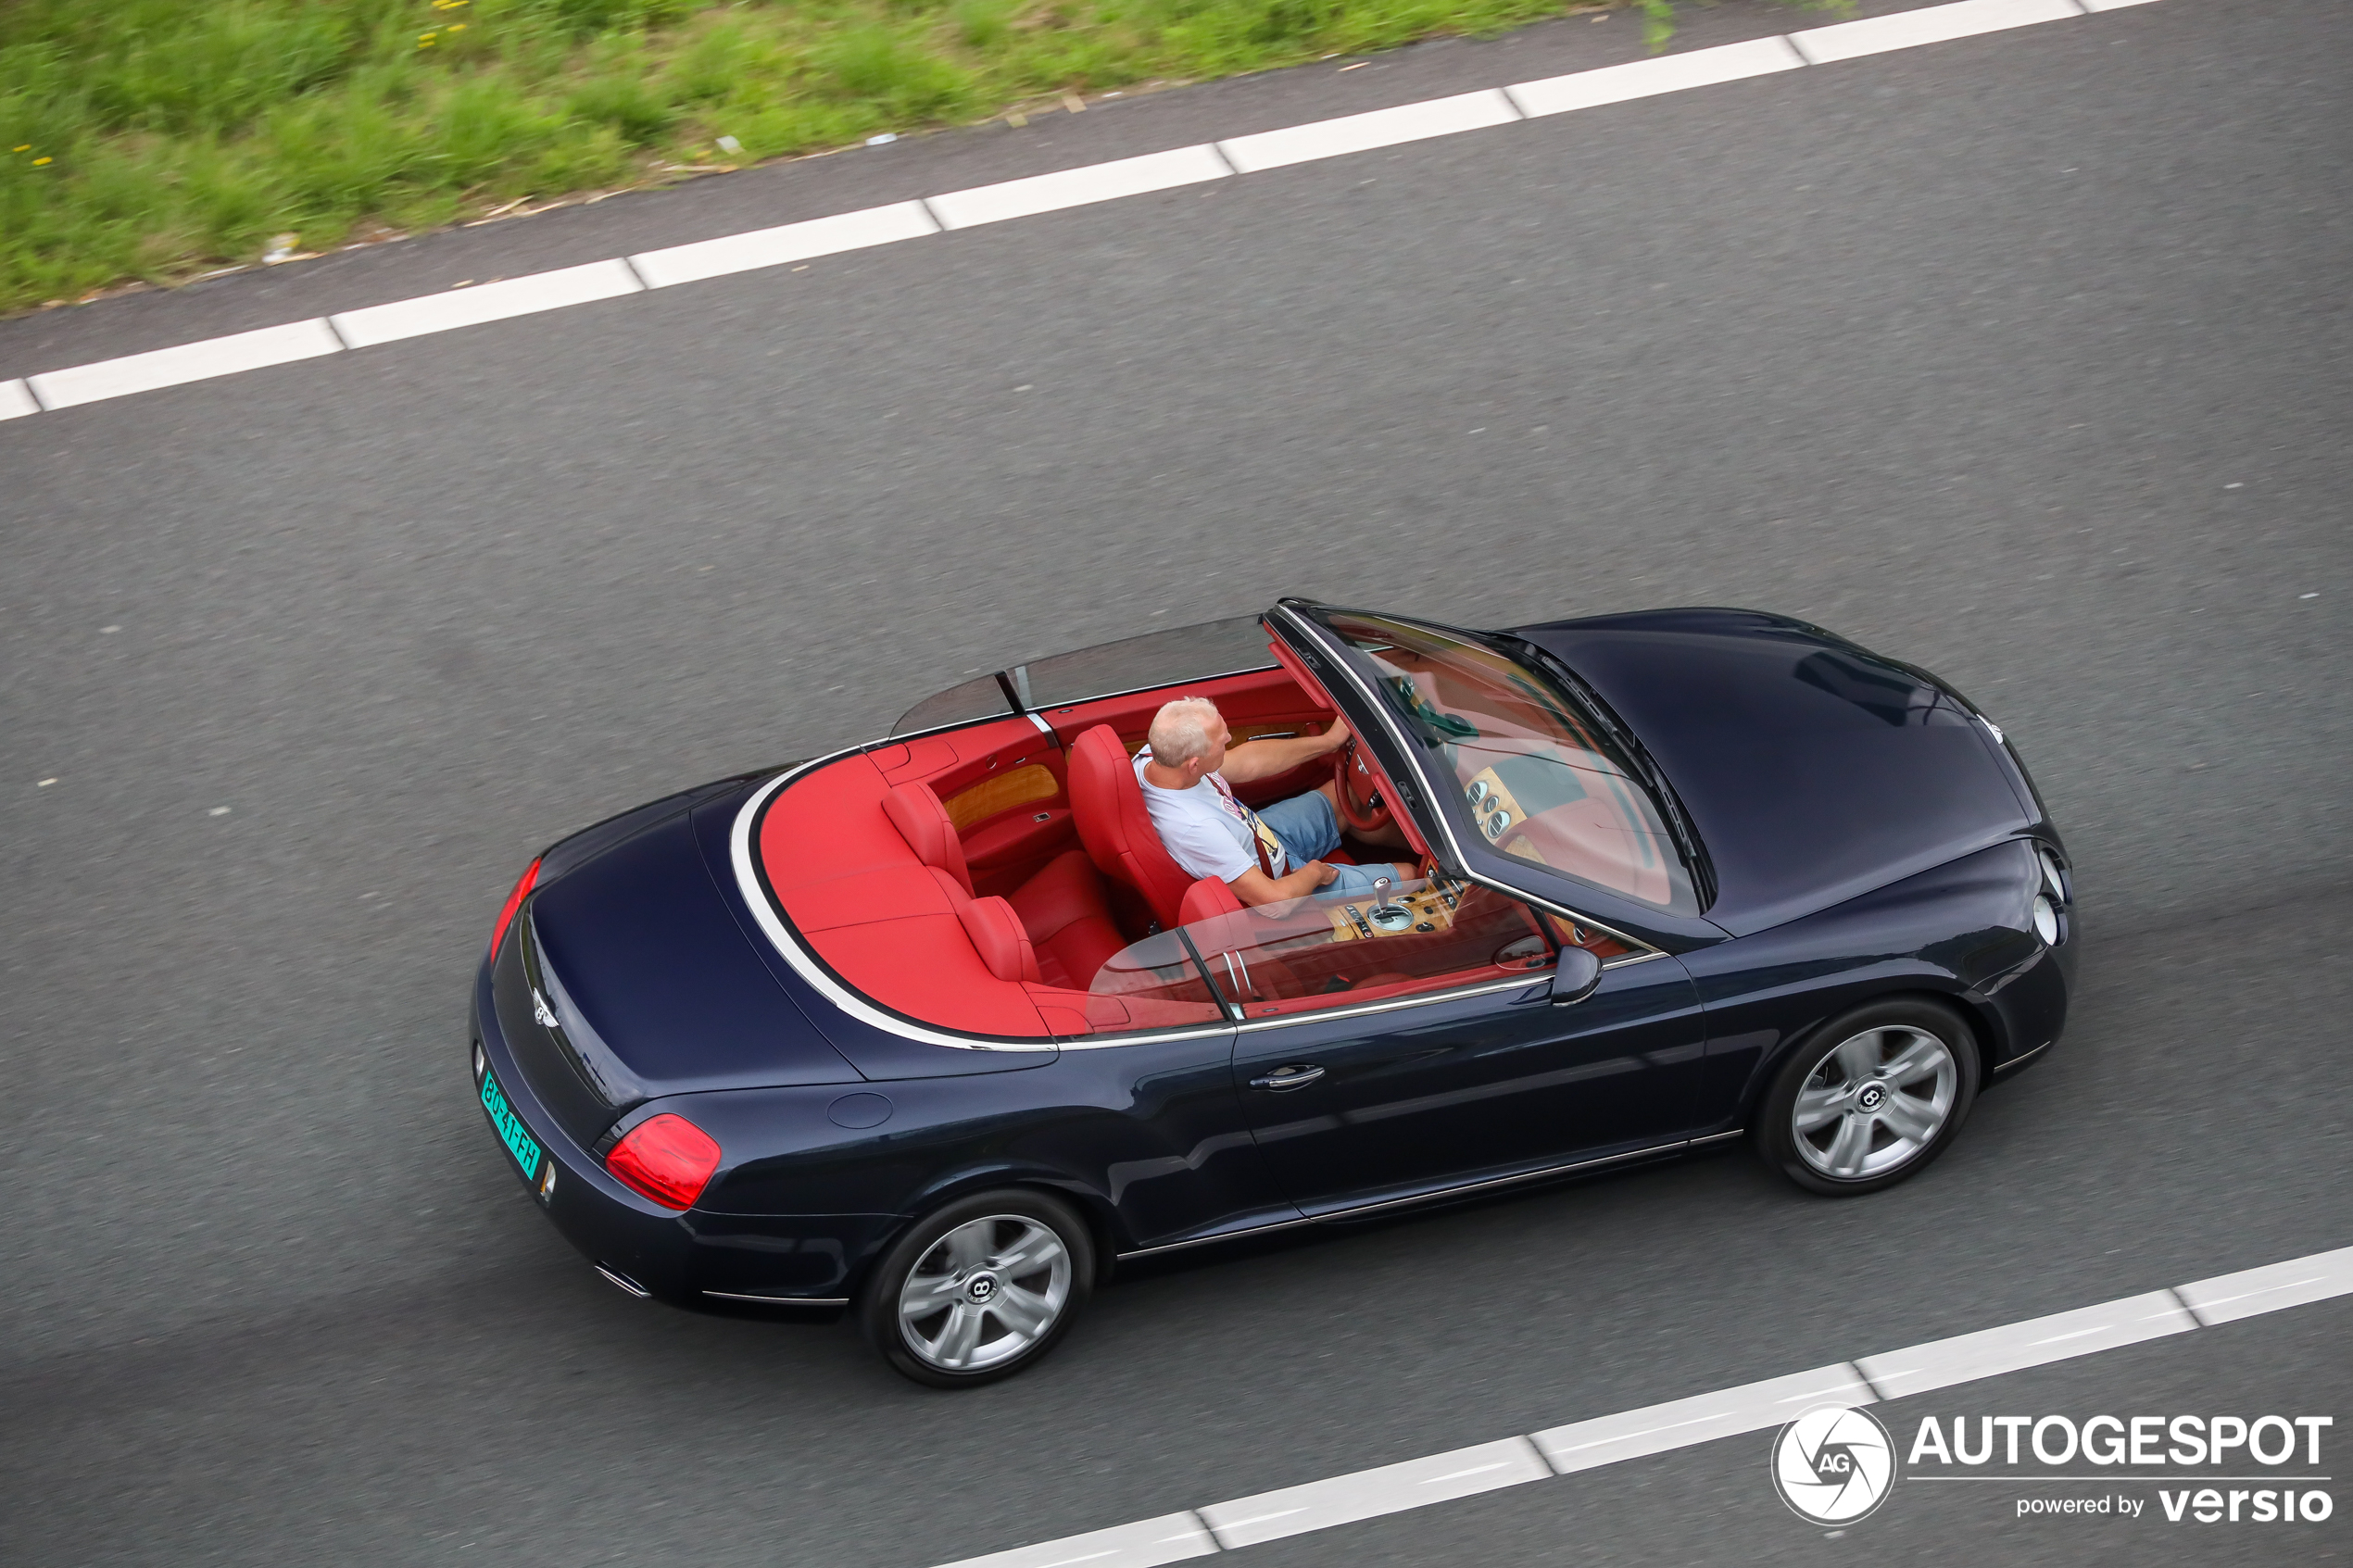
point(915, 810)
point(1064, 916)
point(1116, 829)
point(997, 933)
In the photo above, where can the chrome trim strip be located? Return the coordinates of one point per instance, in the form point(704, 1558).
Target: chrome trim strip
point(1060, 703)
point(1212, 1240)
point(779, 1301)
point(1389, 1004)
point(1406, 749)
point(628, 1286)
point(1718, 1137)
point(2024, 1056)
point(1043, 728)
point(1442, 1194)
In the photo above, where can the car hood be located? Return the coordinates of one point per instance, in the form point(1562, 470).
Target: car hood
point(656, 982)
point(1815, 770)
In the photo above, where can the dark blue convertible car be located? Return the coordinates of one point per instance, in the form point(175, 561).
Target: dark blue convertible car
point(934, 1029)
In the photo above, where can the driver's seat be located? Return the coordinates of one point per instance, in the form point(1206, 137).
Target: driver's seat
point(1108, 804)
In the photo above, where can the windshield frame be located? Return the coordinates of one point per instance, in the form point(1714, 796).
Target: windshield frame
point(1650, 926)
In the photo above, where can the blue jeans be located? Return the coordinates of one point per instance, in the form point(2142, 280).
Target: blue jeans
point(1309, 829)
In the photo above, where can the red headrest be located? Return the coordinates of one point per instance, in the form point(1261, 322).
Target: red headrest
point(997, 931)
point(914, 809)
point(1109, 807)
point(1206, 899)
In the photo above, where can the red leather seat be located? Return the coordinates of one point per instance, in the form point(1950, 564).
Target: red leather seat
point(997, 933)
point(1117, 830)
point(1062, 911)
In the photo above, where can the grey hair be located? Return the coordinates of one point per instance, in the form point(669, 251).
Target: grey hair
point(1180, 731)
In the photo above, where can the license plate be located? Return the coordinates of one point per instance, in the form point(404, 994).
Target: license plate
point(518, 1142)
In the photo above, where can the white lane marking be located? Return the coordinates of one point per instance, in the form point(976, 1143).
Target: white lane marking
point(788, 242)
point(1582, 1444)
point(486, 302)
point(189, 361)
point(1362, 132)
point(1367, 1494)
point(1017, 198)
point(1079, 187)
point(1680, 1424)
point(1643, 79)
point(1173, 1537)
point(1990, 1353)
point(2111, 4)
point(1908, 29)
point(15, 400)
point(2227, 1298)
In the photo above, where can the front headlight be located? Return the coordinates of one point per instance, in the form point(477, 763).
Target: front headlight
point(2047, 924)
point(2051, 877)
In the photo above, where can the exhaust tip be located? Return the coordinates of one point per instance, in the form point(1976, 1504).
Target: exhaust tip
point(623, 1282)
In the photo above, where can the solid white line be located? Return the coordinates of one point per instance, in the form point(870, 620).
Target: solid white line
point(1173, 1537)
point(1079, 187)
point(189, 361)
point(1367, 1494)
point(1990, 1353)
point(2227, 1298)
point(1643, 79)
point(488, 302)
point(1908, 29)
point(1021, 198)
point(1654, 1429)
point(1362, 132)
point(789, 242)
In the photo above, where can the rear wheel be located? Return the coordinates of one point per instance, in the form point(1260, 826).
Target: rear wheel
point(979, 1288)
point(1871, 1099)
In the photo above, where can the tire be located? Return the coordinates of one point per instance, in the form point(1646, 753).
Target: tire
point(1871, 1097)
point(979, 1288)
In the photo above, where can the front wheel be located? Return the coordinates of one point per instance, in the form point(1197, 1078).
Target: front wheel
point(979, 1288)
point(1871, 1099)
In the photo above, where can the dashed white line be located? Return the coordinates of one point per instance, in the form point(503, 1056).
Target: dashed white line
point(485, 302)
point(1079, 187)
point(189, 361)
point(1680, 1423)
point(1362, 132)
point(785, 243)
point(1022, 198)
point(1936, 24)
point(1643, 79)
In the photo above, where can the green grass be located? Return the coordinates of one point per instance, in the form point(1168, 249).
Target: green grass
point(159, 139)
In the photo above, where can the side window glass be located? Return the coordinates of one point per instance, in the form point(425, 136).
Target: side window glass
point(1575, 933)
point(1331, 951)
point(1151, 985)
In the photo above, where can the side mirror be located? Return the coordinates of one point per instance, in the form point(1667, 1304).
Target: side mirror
point(1577, 975)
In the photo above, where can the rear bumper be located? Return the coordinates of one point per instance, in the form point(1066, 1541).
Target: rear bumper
point(688, 1260)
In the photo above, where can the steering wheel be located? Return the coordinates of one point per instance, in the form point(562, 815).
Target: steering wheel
point(1357, 791)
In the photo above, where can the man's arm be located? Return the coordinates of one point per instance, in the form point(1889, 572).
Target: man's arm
point(1254, 887)
point(1264, 759)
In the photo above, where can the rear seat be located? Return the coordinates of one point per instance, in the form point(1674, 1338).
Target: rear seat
point(1063, 911)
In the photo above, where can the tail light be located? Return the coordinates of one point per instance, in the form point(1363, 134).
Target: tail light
point(514, 902)
point(666, 1158)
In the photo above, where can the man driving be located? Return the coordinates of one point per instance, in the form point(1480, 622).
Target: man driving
point(1188, 770)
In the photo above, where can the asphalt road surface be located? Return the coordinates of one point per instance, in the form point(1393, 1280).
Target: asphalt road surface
point(2024, 357)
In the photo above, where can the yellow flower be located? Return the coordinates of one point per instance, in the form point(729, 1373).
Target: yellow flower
point(456, 27)
point(39, 161)
point(424, 40)
point(26, 148)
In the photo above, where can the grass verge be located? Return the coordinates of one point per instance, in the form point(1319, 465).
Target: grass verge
point(159, 139)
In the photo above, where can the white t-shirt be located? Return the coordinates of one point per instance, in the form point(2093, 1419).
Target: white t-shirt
point(1207, 830)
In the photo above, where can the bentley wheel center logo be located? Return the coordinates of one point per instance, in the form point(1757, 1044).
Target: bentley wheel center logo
point(1833, 1465)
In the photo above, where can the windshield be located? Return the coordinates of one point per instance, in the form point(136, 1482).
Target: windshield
point(1540, 780)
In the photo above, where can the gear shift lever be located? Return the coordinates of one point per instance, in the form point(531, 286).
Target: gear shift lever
point(1381, 903)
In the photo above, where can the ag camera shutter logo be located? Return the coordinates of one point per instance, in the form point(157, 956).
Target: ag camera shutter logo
point(1834, 1464)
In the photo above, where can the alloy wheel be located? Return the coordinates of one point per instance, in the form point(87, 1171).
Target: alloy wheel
point(984, 1293)
point(1875, 1102)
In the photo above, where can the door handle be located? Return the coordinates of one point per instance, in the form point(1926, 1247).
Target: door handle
point(1288, 1078)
